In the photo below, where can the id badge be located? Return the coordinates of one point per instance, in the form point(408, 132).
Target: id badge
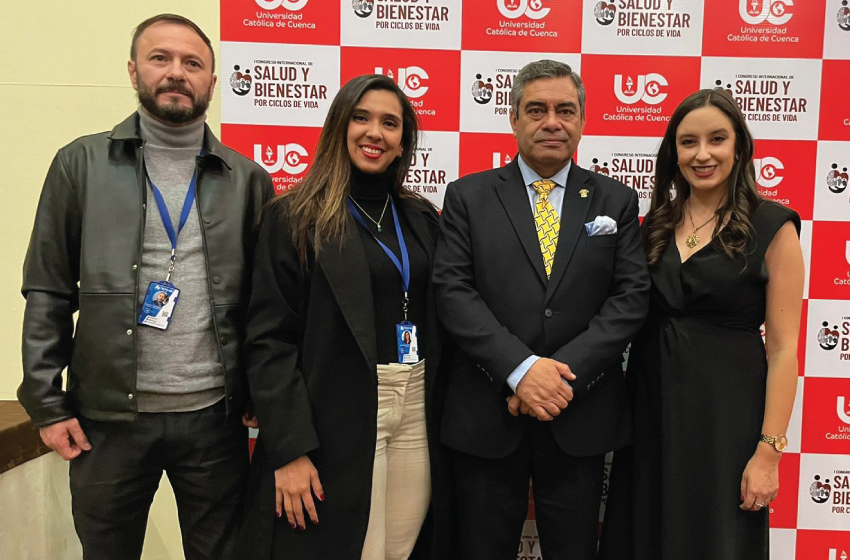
point(158, 307)
point(408, 344)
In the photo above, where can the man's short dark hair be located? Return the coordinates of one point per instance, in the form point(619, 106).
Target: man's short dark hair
point(541, 69)
point(170, 18)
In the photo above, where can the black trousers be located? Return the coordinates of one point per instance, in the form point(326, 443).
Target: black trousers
point(492, 500)
point(113, 485)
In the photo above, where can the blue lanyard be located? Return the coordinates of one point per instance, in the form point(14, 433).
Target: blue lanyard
point(166, 216)
point(403, 267)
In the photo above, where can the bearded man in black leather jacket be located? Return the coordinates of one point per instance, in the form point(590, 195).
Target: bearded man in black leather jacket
point(142, 400)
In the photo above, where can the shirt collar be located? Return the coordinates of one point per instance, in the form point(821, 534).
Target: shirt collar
point(529, 175)
point(128, 130)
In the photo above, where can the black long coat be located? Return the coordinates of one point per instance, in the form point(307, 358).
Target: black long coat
point(311, 364)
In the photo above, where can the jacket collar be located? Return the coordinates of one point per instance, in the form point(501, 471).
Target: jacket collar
point(347, 271)
point(128, 131)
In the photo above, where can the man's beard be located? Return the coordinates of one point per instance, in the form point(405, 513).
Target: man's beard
point(173, 112)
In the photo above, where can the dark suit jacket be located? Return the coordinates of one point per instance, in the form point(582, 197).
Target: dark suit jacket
point(496, 303)
point(311, 364)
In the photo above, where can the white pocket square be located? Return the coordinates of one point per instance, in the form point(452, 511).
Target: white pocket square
point(602, 225)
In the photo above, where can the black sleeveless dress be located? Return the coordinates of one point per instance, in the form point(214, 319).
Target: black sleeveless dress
point(697, 375)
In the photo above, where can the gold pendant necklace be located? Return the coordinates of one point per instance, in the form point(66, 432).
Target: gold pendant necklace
point(693, 239)
point(381, 219)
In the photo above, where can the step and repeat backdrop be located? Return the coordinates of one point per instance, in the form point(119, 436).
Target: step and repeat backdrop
point(786, 62)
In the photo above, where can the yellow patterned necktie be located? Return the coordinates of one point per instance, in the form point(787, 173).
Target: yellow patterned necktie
point(547, 222)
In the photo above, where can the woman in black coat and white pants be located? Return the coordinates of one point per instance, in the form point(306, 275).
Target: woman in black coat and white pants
point(348, 463)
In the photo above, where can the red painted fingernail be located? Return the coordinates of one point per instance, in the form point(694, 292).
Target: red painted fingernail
point(322, 497)
point(303, 528)
point(292, 525)
point(277, 513)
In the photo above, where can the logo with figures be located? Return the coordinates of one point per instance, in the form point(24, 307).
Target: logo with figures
point(834, 554)
point(833, 335)
point(836, 180)
point(532, 9)
point(240, 82)
point(820, 491)
point(363, 8)
point(601, 169)
point(835, 492)
point(774, 12)
point(500, 159)
point(843, 16)
point(291, 5)
point(482, 92)
point(288, 158)
point(604, 12)
point(646, 88)
point(411, 80)
point(828, 337)
point(768, 172)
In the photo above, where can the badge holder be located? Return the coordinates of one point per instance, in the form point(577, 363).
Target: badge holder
point(159, 304)
point(407, 340)
point(161, 297)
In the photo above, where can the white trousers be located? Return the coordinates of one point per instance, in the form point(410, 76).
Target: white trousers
point(401, 478)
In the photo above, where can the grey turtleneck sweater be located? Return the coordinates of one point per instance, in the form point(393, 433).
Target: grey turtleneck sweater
point(179, 369)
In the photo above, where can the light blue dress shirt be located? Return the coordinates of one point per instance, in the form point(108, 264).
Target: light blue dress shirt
point(556, 198)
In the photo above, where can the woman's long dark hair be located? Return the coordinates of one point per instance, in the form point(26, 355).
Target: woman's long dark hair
point(316, 209)
point(672, 190)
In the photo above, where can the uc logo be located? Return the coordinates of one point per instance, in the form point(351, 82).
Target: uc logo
point(775, 12)
point(514, 9)
point(289, 158)
point(646, 89)
point(291, 5)
point(411, 80)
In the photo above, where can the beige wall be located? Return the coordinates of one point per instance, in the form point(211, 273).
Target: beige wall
point(63, 74)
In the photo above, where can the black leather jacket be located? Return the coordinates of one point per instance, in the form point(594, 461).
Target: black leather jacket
point(83, 256)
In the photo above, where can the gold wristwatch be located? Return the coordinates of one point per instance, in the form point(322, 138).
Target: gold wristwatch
point(779, 442)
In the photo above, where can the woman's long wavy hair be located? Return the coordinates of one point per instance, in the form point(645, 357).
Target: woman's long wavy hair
point(672, 190)
point(316, 210)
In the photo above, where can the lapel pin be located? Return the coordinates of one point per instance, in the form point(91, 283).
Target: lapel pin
point(583, 193)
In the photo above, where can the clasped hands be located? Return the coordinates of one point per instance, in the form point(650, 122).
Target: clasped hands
point(542, 392)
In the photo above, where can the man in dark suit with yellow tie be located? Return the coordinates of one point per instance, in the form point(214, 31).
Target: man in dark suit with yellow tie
point(542, 282)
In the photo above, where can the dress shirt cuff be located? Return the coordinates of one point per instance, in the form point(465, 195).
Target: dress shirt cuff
point(517, 374)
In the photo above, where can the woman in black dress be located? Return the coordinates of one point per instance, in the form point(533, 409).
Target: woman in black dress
point(347, 464)
point(711, 399)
